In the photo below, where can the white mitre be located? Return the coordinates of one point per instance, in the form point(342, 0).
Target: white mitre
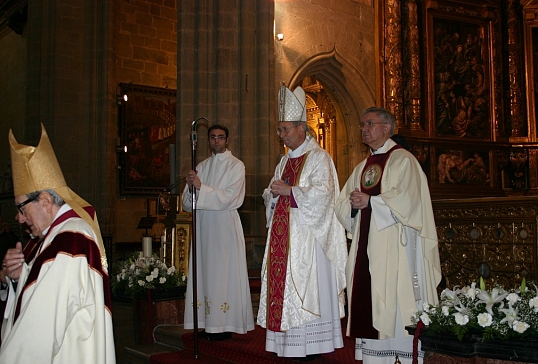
point(291, 105)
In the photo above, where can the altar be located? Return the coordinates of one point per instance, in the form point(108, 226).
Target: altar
point(447, 349)
point(157, 308)
point(436, 358)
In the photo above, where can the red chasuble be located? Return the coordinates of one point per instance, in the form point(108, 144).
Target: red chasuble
point(278, 246)
point(360, 312)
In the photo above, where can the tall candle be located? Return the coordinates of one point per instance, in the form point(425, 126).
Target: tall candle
point(147, 246)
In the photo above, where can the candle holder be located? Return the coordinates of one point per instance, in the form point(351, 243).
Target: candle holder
point(484, 270)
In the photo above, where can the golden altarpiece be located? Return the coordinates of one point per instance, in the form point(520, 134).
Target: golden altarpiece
point(176, 237)
point(460, 78)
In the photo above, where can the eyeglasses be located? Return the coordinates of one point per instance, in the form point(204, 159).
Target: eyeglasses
point(219, 137)
point(281, 131)
point(369, 124)
point(22, 204)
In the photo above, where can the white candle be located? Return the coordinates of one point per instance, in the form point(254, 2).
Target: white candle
point(147, 246)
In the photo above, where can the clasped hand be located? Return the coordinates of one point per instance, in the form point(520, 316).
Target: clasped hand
point(358, 199)
point(280, 188)
point(12, 263)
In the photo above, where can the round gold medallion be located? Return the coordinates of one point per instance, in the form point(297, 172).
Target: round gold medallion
point(371, 176)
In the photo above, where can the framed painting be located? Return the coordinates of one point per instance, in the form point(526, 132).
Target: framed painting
point(147, 128)
point(460, 80)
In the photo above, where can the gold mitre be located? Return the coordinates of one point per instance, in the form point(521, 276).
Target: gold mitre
point(34, 168)
point(37, 169)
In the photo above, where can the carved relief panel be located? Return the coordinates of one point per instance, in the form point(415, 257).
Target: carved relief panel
point(498, 232)
point(461, 106)
point(467, 120)
point(463, 83)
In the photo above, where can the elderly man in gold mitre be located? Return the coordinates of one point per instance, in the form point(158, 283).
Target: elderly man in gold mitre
point(58, 307)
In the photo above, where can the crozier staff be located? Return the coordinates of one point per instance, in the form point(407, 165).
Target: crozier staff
point(223, 291)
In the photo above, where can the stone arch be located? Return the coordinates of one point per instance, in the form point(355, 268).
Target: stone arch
point(350, 93)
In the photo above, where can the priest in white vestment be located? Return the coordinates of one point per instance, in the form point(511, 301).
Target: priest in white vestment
point(223, 291)
point(58, 305)
point(303, 270)
point(393, 266)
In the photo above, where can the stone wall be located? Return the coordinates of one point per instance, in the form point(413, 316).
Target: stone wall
point(145, 39)
point(57, 83)
point(225, 73)
point(12, 104)
point(144, 52)
point(336, 43)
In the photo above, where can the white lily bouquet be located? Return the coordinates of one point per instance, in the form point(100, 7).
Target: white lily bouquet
point(137, 274)
point(496, 313)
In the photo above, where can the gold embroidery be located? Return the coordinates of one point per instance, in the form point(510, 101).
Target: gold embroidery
point(207, 307)
point(224, 307)
point(199, 304)
point(371, 176)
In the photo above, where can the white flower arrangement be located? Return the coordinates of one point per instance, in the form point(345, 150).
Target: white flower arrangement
point(137, 274)
point(488, 314)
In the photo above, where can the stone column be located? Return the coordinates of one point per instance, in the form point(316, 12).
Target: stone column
point(225, 73)
point(68, 91)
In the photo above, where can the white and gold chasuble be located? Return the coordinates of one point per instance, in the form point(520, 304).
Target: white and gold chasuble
point(315, 274)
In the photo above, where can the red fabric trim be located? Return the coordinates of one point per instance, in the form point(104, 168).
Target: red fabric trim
point(69, 243)
point(416, 336)
point(293, 203)
point(360, 312)
point(32, 247)
point(278, 247)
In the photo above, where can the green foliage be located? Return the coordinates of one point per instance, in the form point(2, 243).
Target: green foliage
point(486, 314)
point(137, 274)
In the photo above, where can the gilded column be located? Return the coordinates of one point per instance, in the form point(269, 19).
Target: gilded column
point(329, 136)
point(393, 60)
point(412, 65)
point(514, 70)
